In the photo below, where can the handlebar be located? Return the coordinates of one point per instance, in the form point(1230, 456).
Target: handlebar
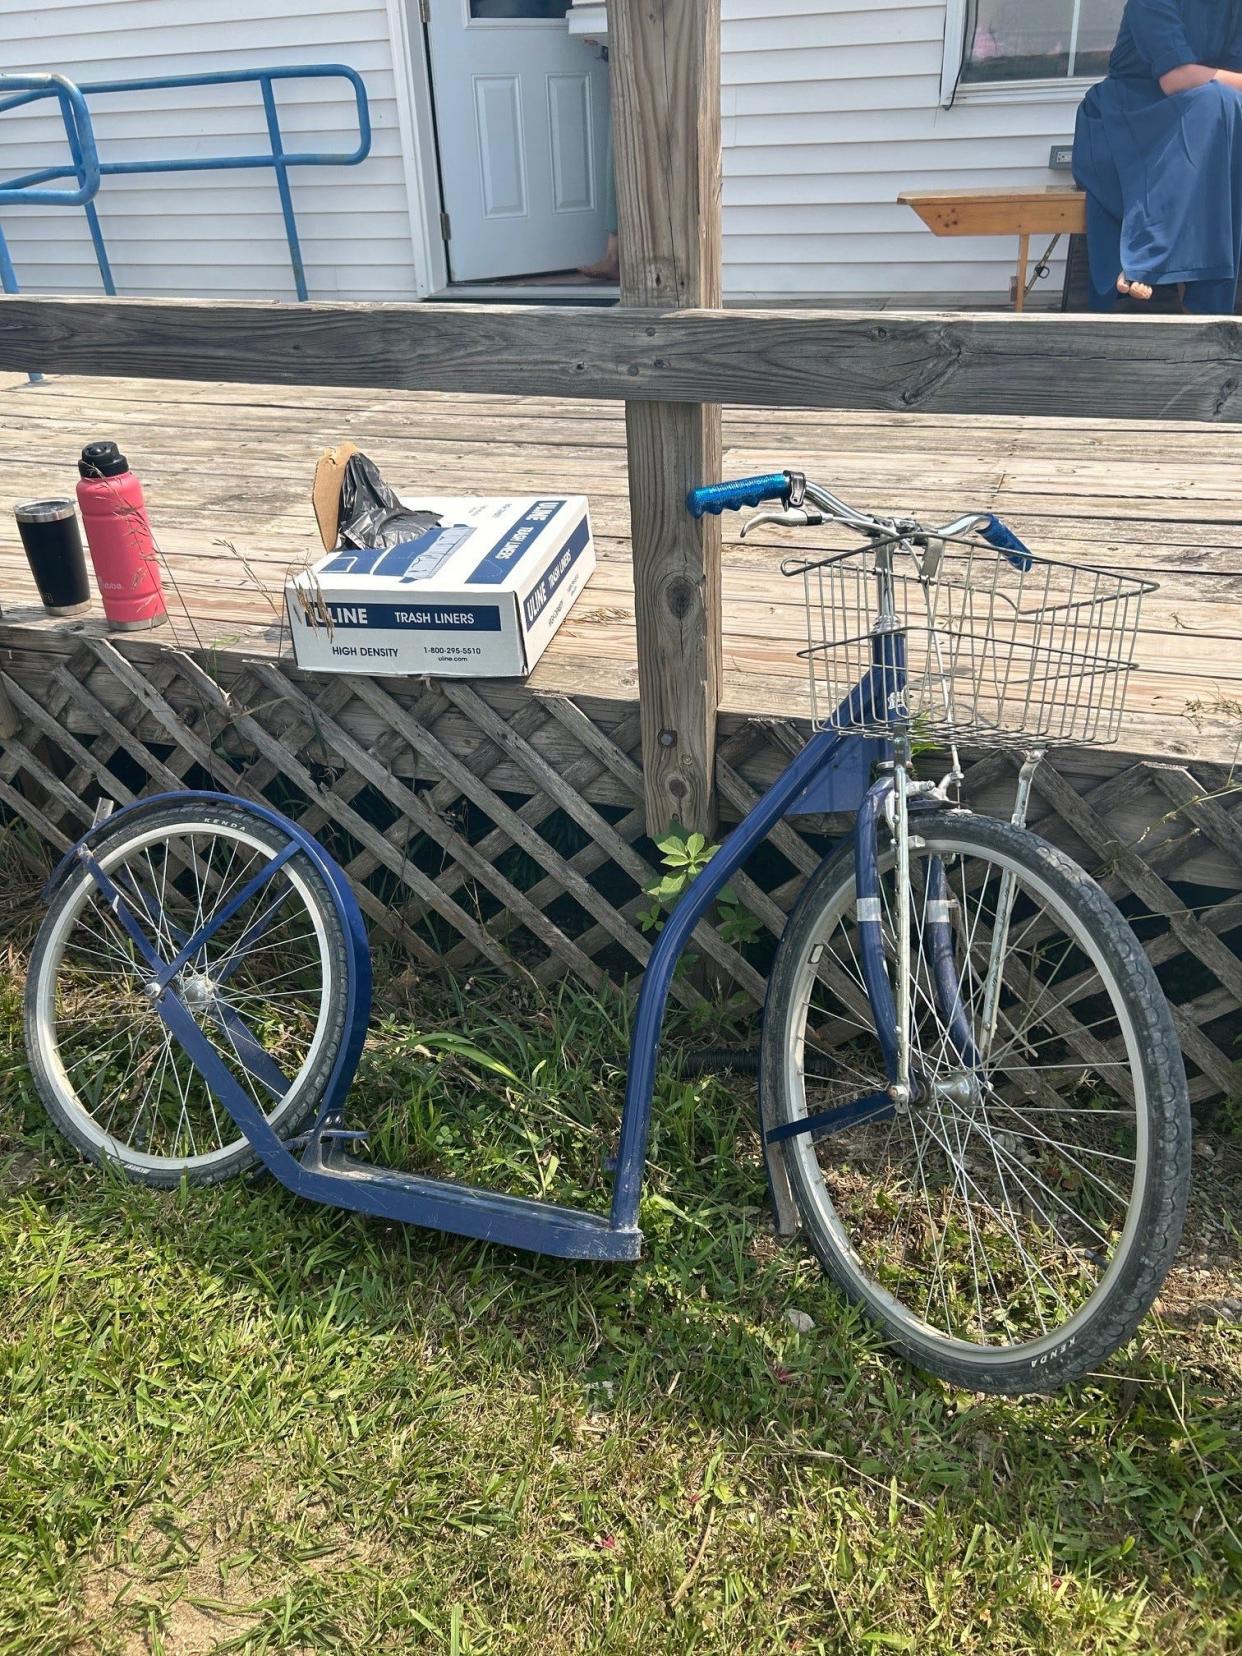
point(731, 497)
point(812, 502)
point(1002, 537)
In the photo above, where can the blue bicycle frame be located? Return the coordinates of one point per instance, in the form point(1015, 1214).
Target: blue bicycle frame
point(833, 772)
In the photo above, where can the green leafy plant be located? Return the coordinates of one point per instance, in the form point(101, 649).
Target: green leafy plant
point(684, 857)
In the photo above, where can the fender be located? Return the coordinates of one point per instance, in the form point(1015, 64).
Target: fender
point(358, 978)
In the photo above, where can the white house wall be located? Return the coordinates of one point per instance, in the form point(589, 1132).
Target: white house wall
point(215, 233)
point(830, 110)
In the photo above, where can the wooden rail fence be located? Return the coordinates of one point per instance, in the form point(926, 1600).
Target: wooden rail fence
point(672, 355)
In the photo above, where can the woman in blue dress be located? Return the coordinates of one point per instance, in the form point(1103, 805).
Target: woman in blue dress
point(1158, 149)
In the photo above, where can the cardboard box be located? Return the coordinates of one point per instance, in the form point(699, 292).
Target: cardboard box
point(479, 596)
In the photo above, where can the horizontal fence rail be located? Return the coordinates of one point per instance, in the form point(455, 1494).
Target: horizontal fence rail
point(1123, 367)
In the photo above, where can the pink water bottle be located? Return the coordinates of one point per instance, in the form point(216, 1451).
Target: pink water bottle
point(114, 515)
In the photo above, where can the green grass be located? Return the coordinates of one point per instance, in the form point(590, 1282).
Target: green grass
point(234, 1421)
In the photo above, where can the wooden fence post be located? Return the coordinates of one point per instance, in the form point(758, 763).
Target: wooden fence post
point(665, 73)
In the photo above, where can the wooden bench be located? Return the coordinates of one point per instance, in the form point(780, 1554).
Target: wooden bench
point(1052, 210)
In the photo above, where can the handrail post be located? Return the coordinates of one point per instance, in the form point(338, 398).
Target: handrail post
point(9, 283)
point(665, 75)
point(74, 139)
point(101, 251)
point(282, 184)
point(8, 276)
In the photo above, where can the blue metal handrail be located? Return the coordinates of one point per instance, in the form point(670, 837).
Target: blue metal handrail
point(87, 170)
point(81, 134)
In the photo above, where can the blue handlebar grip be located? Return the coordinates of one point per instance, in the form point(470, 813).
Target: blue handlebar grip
point(747, 491)
point(1000, 536)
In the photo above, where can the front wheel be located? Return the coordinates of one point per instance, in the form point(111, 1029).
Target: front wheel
point(1012, 1224)
point(268, 991)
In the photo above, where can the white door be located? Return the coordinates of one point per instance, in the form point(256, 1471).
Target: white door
point(522, 131)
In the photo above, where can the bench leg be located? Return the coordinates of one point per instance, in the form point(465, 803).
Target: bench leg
point(1024, 259)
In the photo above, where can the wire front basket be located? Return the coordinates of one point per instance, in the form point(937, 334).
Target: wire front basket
point(996, 650)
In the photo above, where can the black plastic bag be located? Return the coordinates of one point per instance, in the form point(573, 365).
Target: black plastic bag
point(371, 516)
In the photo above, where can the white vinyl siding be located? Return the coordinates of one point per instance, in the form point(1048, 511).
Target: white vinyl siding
point(831, 109)
point(216, 233)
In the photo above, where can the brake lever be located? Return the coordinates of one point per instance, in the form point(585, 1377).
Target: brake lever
point(791, 517)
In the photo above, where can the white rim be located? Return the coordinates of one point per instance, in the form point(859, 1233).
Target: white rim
point(45, 1004)
point(802, 1148)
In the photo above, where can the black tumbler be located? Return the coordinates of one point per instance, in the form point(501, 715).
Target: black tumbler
point(49, 531)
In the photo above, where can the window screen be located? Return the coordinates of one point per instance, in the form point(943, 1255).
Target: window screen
point(1017, 40)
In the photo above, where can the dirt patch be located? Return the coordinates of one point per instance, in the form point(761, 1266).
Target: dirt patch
point(170, 1585)
point(19, 1171)
point(190, 1577)
point(1205, 1284)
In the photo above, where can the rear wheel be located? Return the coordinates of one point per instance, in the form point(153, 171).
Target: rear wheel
point(267, 990)
point(1011, 1226)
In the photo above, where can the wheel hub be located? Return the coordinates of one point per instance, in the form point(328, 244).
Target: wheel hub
point(961, 1088)
point(196, 989)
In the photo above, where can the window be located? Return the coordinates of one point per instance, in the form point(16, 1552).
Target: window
point(1038, 40)
point(491, 11)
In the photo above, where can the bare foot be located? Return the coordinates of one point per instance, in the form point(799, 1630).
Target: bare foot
point(607, 269)
point(1133, 290)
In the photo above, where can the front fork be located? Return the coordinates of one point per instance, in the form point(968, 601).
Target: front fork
point(890, 996)
point(890, 800)
point(1004, 912)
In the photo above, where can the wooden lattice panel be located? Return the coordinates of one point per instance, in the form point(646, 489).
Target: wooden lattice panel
point(512, 834)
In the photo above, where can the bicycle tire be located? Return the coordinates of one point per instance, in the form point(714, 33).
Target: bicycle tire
point(1155, 1214)
point(63, 1098)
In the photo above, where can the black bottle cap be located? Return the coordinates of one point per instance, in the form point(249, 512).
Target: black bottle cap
point(102, 460)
